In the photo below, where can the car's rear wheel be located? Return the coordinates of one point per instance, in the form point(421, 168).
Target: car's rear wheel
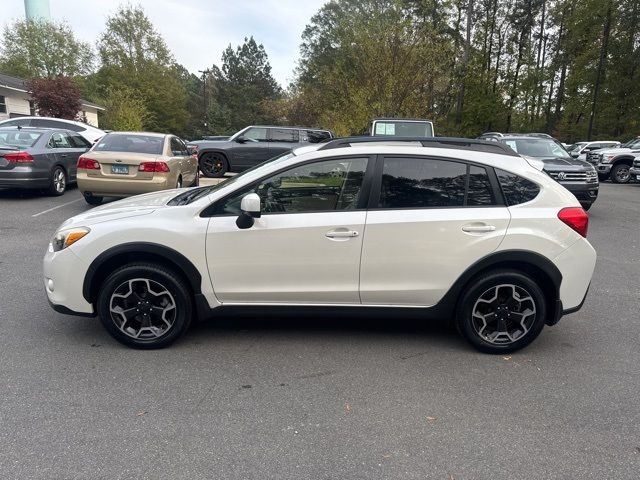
point(620, 173)
point(179, 182)
point(145, 306)
point(196, 181)
point(501, 311)
point(92, 199)
point(57, 181)
point(213, 165)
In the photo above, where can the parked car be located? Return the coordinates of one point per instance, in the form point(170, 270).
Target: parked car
point(635, 168)
point(496, 135)
point(89, 132)
point(250, 146)
point(575, 175)
point(128, 163)
point(581, 149)
point(37, 158)
point(452, 228)
point(401, 127)
point(614, 163)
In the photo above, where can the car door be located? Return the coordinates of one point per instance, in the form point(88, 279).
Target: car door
point(177, 159)
point(282, 140)
point(252, 147)
point(429, 220)
point(305, 248)
point(66, 154)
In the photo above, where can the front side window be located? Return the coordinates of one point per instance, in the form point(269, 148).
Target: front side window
point(516, 189)
point(420, 183)
point(284, 135)
point(314, 187)
point(256, 134)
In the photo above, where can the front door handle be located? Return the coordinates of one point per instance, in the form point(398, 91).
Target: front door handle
point(64, 155)
point(341, 234)
point(478, 228)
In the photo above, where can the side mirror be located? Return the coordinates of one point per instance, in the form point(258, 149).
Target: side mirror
point(241, 140)
point(574, 155)
point(250, 207)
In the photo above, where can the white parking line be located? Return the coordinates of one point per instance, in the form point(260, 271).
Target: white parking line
point(56, 207)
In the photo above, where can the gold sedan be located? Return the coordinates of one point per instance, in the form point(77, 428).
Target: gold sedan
point(121, 164)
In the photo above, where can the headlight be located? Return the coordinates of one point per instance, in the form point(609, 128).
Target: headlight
point(64, 238)
point(607, 158)
point(591, 173)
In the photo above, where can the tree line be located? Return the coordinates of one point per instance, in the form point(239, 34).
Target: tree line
point(557, 66)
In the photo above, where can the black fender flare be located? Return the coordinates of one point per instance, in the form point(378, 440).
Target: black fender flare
point(130, 252)
point(625, 158)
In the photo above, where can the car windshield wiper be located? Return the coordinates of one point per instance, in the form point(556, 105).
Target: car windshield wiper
point(189, 196)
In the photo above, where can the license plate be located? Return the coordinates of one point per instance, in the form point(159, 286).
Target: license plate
point(120, 169)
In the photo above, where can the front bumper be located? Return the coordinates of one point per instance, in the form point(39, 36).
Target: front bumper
point(603, 168)
point(584, 192)
point(64, 274)
point(635, 171)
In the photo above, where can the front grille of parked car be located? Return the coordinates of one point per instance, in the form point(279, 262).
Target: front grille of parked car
point(593, 157)
point(569, 176)
point(636, 163)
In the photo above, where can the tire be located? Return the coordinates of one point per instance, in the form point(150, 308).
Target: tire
point(507, 336)
point(179, 182)
point(93, 200)
point(196, 181)
point(213, 165)
point(147, 288)
point(586, 206)
point(603, 177)
point(620, 173)
point(57, 181)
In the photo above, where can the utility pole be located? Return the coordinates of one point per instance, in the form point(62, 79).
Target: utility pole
point(205, 74)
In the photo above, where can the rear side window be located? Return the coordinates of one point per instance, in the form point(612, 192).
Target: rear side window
point(516, 189)
point(420, 183)
point(284, 135)
point(122, 142)
point(79, 141)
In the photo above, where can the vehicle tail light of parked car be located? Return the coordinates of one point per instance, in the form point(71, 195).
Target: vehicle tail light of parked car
point(576, 218)
point(86, 163)
point(160, 167)
point(18, 157)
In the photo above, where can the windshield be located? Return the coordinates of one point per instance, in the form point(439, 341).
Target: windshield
point(576, 147)
point(537, 147)
point(18, 139)
point(634, 143)
point(194, 194)
point(131, 143)
point(399, 128)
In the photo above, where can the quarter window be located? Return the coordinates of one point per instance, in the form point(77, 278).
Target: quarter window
point(516, 189)
point(315, 187)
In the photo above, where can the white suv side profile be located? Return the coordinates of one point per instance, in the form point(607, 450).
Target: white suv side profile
point(445, 228)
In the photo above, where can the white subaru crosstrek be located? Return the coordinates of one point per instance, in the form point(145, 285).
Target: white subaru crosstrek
point(447, 228)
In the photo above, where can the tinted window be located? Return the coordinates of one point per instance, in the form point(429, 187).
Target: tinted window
point(177, 148)
point(537, 147)
point(480, 191)
point(46, 123)
point(79, 141)
point(284, 135)
point(123, 142)
point(257, 134)
point(14, 123)
point(419, 182)
point(516, 189)
point(315, 187)
point(60, 140)
point(314, 136)
point(402, 129)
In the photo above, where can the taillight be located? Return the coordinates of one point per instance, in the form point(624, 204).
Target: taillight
point(18, 157)
point(161, 167)
point(576, 218)
point(86, 163)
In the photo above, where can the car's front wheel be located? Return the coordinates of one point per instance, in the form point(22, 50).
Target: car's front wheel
point(501, 311)
point(213, 165)
point(620, 173)
point(145, 306)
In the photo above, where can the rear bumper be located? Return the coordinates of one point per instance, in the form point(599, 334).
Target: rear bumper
point(107, 187)
point(576, 264)
point(23, 178)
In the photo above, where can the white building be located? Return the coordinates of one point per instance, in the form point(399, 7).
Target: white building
point(15, 102)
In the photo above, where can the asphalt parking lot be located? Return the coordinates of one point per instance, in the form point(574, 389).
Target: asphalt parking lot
point(316, 398)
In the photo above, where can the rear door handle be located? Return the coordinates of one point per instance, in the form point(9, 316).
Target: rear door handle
point(478, 228)
point(341, 234)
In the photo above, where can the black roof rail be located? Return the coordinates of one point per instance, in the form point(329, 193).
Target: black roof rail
point(431, 142)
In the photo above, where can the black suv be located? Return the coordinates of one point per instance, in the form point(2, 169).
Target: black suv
point(577, 176)
point(250, 146)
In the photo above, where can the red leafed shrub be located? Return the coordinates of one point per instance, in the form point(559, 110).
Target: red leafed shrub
point(55, 97)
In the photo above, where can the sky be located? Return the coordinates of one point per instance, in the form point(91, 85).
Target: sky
point(197, 31)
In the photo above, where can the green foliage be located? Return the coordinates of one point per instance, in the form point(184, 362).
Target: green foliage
point(38, 48)
point(124, 110)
